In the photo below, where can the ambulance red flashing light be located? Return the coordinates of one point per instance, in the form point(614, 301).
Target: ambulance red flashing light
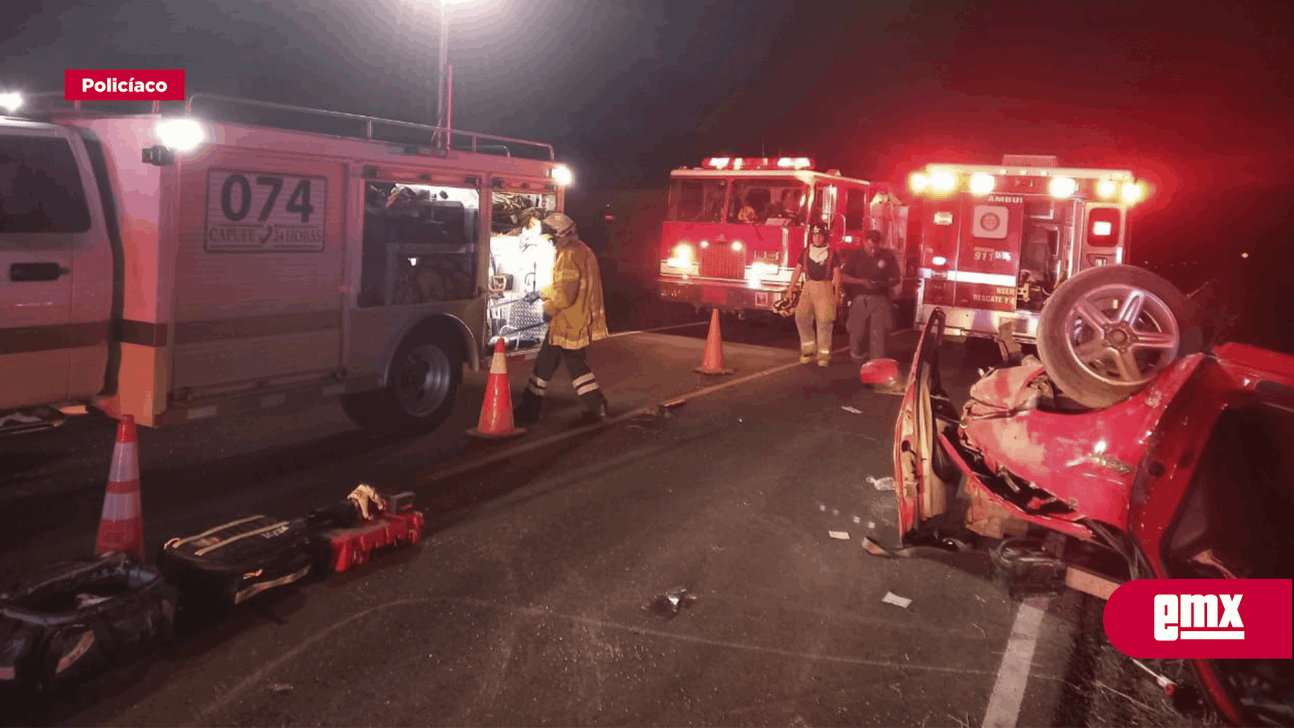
point(941, 180)
point(736, 163)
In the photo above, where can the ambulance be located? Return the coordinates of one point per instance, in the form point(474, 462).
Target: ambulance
point(735, 227)
point(996, 240)
point(237, 257)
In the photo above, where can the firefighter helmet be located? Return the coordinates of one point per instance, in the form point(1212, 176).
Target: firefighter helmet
point(559, 223)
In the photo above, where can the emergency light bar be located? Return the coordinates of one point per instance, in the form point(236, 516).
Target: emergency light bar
point(941, 180)
point(739, 163)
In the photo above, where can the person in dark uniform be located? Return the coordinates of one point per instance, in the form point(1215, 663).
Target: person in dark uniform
point(870, 274)
point(820, 267)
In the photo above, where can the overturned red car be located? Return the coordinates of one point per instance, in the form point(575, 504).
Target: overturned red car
point(1130, 447)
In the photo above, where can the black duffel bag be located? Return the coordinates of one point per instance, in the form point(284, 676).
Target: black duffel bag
point(77, 618)
point(235, 561)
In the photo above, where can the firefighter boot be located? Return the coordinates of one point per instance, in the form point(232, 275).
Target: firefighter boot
point(527, 413)
point(591, 396)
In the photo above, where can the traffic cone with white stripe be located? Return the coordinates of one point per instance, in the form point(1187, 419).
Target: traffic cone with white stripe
point(496, 413)
point(121, 527)
point(712, 362)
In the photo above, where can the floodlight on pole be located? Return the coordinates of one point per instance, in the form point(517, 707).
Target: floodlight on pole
point(441, 75)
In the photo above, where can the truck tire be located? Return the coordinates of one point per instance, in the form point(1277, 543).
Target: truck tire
point(1107, 332)
point(423, 380)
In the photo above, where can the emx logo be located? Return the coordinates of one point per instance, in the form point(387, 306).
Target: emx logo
point(1201, 618)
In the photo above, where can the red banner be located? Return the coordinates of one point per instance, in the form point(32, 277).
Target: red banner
point(140, 84)
point(1201, 618)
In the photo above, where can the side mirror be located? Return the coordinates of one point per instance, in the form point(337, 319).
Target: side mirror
point(879, 371)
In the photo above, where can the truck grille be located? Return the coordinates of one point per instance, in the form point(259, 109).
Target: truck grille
point(719, 260)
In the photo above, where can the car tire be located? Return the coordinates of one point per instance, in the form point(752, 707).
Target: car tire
point(423, 379)
point(1105, 333)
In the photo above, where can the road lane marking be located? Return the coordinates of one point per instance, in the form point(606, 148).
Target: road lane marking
point(1012, 677)
point(651, 409)
point(652, 331)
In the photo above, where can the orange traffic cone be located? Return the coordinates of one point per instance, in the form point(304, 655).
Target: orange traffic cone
point(496, 414)
point(121, 527)
point(713, 361)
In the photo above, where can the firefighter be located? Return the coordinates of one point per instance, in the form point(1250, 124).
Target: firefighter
point(574, 308)
point(821, 270)
point(870, 273)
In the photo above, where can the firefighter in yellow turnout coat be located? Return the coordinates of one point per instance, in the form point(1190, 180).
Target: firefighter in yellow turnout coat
point(574, 307)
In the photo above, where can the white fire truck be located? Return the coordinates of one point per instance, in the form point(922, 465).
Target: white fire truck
point(223, 260)
point(736, 226)
point(996, 240)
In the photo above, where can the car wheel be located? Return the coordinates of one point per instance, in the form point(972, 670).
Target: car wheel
point(423, 380)
point(1106, 333)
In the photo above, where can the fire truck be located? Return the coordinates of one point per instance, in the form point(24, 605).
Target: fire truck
point(735, 227)
point(996, 240)
point(235, 256)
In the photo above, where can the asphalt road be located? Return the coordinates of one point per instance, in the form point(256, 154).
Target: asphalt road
point(530, 600)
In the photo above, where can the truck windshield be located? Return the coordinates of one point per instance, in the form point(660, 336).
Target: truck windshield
point(697, 200)
point(770, 201)
point(40, 187)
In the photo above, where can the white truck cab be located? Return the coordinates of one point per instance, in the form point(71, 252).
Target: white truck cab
point(242, 256)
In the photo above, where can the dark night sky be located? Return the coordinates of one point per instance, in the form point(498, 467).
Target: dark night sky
point(1194, 96)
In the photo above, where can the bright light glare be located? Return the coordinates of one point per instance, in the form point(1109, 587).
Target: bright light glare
point(1131, 192)
point(1062, 186)
point(918, 182)
point(939, 260)
point(1107, 188)
point(684, 253)
point(1102, 227)
point(981, 184)
point(563, 175)
point(943, 181)
point(736, 245)
point(11, 101)
point(181, 135)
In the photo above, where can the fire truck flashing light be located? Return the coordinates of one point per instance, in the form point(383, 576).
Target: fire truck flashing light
point(737, 163)
point(943, 182)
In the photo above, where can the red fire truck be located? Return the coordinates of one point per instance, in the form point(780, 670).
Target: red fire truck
point(996, 240)
point(736, 225)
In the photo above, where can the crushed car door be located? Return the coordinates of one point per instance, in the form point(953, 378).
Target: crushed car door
point(921, 493)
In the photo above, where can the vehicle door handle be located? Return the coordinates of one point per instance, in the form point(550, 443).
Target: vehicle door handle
point(27, 272)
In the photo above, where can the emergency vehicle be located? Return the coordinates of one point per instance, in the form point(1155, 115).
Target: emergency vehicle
point(996, 240)
point(736, 226)
point(222, 260)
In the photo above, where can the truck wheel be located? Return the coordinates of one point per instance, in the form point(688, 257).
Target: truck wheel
point(1108, 331)
point(422, 384)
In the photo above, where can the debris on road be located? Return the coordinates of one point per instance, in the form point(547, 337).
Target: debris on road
point(886, 483)
point(874, 548)
point(281, 688)
point(896, 600)
point(839, 535)
point(852, 410)
point(669, 604)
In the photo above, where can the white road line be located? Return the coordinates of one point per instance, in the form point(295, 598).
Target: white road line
point(1013, 675)
point(650, 409)
point(663, 328)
